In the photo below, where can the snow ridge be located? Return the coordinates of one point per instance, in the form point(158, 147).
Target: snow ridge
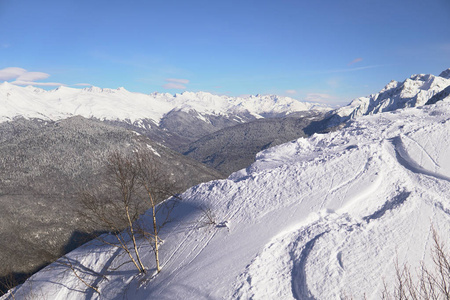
point(413, 92)
point(120, 104)
point(317, 218)
point(305, 221)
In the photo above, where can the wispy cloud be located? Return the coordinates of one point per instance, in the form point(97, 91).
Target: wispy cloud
point(350, 69)
point(5, 45)
point(33, 76)
point(356, 60)
point(177, 80)
point(20, 76)
point(176, 83)
point(23, 82)
point(82, 84)
point(176, 86)
point(320, 97)
point(11, 73)
point(291, 92)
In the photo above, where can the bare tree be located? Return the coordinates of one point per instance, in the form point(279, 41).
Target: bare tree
point(158, 186)
point(208, 217)
point(429, 283)
point(116, 207)
point(7, 283)
point(133, 183)
point(76, 267)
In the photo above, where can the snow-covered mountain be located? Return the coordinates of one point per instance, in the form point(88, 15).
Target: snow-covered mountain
point(414, 91)
point(120, 104)
point(173, 120)
point(316, 218)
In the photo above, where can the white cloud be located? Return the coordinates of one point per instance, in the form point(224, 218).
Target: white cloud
point(11, 73)
point(320, 97)
point(23, 77)
point(178, 80)
point(356, 60)
point(172, 85)
point(24, 82)
point(350, 69)
point(291, 92)
point(33, 76)
point(176, 83)
point(82, 84)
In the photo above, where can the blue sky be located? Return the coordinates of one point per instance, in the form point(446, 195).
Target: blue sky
point(330, 51)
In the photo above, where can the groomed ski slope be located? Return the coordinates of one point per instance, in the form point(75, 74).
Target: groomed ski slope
point(315, 218)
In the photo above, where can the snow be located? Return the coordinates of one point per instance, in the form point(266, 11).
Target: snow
point(153, 150)
point(413, 92)
point(120, 104)
point(316, 218)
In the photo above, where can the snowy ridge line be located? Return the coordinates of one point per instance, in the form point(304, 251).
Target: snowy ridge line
point(423, 150)
point(389, 205)
point(120, 104)
point(315, 218)
point(405, 160)
point(418, 90)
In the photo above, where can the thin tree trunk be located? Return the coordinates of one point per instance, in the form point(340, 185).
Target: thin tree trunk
point(124, 247)
point(70, 265)
point(136, 250)
point(155, 230)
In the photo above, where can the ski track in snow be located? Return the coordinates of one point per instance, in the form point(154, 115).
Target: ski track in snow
point(317, 218)
point(300, 289)
point(423, 151)
point(405, 160)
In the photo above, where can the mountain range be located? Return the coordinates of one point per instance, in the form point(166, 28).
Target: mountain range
point(120, 104)
point(174, 120)
point(54, 143)
point(319, 217)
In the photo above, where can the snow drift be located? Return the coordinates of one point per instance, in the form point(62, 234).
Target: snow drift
point(315, 218)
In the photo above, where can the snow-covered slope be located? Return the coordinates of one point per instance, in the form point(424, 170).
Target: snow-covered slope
point(120, 104)
point(315, 218)
point(414, 91)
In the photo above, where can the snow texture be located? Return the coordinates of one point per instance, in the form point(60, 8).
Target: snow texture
point(316, 218)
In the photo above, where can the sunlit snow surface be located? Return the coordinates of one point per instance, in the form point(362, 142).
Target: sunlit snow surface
point(315, 218)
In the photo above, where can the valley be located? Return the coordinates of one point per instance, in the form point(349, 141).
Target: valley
point(299, 194)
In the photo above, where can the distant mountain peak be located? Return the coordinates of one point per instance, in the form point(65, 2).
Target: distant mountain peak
point(445, 74)
point(414, 91)
point(7, 85)
point(93, 89)
point(382, 177)
point(120, 104)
